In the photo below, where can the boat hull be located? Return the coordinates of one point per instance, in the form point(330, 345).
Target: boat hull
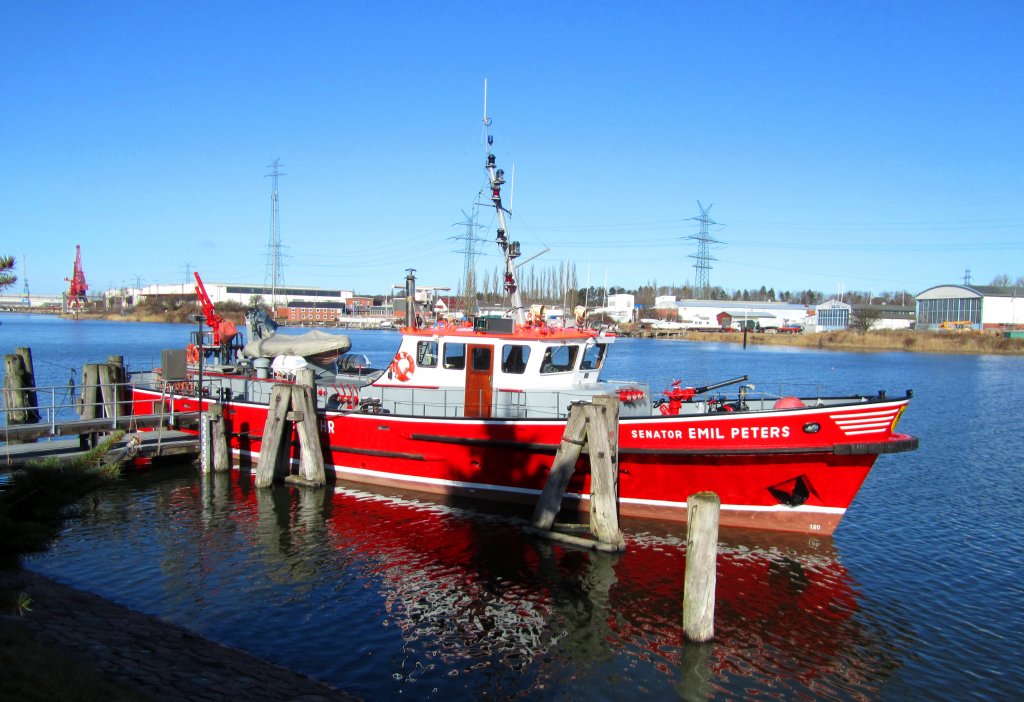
point(795, 470)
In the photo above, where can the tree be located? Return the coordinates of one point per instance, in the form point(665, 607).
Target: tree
point(865, 318)
point(1002, 281)
point(7, 278)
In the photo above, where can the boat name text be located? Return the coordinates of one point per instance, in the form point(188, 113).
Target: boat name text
point(698, 433)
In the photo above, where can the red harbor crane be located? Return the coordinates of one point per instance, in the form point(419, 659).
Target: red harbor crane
point(224, 331)
point(78, 287)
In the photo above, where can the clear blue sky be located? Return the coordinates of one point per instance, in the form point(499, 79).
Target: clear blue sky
point(844, 145)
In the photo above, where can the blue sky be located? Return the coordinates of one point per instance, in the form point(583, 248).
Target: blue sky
point(842, 146)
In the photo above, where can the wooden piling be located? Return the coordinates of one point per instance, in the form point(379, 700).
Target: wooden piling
point(311, 458)
point(20, 409)
point(702, 510)
point(29, 383)
point(108, 391)
point(569, 450)
point(595, 426)
point(89, 397)
point(288, 405)
point(214, 453)
point(602, 439)
point(221, 449)
point(273, 450)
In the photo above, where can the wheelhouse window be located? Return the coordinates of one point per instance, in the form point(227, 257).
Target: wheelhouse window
point(455, 356)
point(559, 359)
point(593, 356)
point(480, 358)
point(514, 358)
point(426, 354)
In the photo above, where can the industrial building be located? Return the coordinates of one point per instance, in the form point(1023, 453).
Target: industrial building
point(982, 306)
point(231, 292)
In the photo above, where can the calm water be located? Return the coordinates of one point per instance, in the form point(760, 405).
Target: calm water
point(388, 595)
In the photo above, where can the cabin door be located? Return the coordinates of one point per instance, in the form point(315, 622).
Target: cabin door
point(479, 375)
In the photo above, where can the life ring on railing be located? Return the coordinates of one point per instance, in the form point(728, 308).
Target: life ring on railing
point(403, 366)
point(192, 353)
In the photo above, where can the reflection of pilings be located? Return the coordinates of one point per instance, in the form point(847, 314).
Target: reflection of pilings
point(588, 627)
point(282, 535)
point(215, 498)
point(695, 672)
point(310, 514)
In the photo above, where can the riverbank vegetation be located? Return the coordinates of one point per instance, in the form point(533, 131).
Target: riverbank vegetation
point(880, 340)
point(37, 499)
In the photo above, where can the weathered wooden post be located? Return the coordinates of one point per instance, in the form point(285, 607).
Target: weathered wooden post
point(29, 383)
point(569, 450)
point(603, 447)
point(213, 444)
point(595, 426)
point(19, 408)
point(702, 510)
point(311, 457)
point(119, 377)
point(88, 399)
point(273, 449)
point(221, 449)
point(108, 390)
point(288, 405)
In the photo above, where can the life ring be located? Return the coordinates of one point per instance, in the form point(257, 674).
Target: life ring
point(403, 366)
point(192, 353)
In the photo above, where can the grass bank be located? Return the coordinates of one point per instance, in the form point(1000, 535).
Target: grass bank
point(918, 341)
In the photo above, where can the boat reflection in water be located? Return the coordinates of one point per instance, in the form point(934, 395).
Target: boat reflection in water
point(386, 594)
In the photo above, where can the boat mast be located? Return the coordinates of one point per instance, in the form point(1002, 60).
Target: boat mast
point(509, 249)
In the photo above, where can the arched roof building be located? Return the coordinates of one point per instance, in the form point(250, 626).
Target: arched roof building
point(984, 306)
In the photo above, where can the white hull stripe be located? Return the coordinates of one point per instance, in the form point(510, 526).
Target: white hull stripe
point(462, 485)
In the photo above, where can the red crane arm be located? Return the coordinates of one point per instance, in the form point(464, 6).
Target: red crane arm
point(213, 320)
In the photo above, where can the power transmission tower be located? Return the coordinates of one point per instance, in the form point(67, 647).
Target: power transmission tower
point(470, 253)
point(703, 256)
point(967, 276)
point(274, 272)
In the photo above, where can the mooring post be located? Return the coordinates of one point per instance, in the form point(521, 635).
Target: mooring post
point(88, 398)
point(569, 450)
point(119, 377)
point(29, 379)
point(221, 449)
point(311, 457)
point(702, 510)
point(274, 445)
point(603, 447)
point(16, 397)
point(213, 447)
point(108, 391)
point(89, 401)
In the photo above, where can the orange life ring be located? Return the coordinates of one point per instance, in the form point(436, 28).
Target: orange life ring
point(192, 353)
point(403, 366)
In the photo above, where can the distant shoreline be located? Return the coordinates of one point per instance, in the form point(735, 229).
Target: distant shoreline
point(847, 340)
